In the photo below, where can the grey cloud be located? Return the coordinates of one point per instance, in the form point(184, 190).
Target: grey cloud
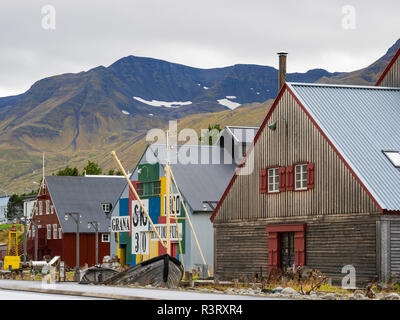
point(198, 33)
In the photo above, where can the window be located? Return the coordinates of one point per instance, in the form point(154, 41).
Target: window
point(157, 187)
point(47, 206)
point(44, 188)
point(106, 207)
point(105, 237)
point(40, 207)
point(33, 232)
point(273, 180)
point(301, 177)
point(55, 231)
point(59, 233)
point(52, 209)
point(149, 188)
point(48, 231)
point(394, 157)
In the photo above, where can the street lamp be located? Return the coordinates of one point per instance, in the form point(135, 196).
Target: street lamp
point(35, 222)
point(76, 217)
point(95, 225)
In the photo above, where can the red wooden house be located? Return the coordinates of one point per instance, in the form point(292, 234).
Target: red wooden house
point(92, 198)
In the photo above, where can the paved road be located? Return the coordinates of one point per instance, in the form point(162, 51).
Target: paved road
point(23, 295)
point(132, 292)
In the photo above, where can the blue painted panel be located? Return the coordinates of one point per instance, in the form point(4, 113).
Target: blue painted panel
point(124, 207)
point(154, 208)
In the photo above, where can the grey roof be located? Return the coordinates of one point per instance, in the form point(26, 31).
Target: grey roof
point(360, 122)
point(84, 195)
point(199, 181)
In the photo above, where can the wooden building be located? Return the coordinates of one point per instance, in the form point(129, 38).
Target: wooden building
point(324, 188)
point(93, 198)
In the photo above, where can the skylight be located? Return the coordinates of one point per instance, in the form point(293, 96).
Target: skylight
point(394, 157)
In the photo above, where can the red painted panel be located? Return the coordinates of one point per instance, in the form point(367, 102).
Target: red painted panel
point(263, 181)
point(174, 245)
point(286, 227)
point(289, 178)
point(87, 249)
point(310, 176)
point(273, 251)
point(300, 248)
point(282, 179)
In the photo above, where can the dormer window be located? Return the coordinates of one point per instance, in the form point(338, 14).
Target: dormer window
point(394, 157)
point(106, 207)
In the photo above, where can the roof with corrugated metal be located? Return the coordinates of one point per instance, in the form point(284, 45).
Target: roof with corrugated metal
point(360, 122)
point(204, 178)
point(84, 195)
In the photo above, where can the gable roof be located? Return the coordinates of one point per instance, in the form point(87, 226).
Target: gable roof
point(199, 181)
point(358, 122)
point(84, 195)
point(388, 67)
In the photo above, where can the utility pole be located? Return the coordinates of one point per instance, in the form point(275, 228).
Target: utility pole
point(167, 205)
point(95, 225)
point(35, 222)
point(25, 218)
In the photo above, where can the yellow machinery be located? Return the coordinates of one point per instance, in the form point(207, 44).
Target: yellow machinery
point(12, 260)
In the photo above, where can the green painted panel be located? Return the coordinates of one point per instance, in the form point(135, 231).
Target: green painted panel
point(149, 172)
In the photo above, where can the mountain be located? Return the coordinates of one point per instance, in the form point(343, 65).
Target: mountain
point(76, 117)
point(366, 76)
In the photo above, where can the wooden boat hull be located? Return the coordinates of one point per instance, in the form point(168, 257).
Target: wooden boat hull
point(161, 271)
point(95, 275)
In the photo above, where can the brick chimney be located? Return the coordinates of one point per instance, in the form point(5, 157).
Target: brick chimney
point(282, 68)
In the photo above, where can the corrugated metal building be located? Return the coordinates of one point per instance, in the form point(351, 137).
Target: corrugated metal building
point(324, 191)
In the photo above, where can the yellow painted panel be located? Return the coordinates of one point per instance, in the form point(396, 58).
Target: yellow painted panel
point(13, 261)
point(163, 192)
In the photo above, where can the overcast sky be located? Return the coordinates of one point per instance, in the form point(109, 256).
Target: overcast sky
point(201, 33)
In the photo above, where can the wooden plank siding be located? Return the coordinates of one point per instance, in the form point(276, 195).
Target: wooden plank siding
point(392, 77)
point(336, 190)
point(341, 217)
point(331, 243)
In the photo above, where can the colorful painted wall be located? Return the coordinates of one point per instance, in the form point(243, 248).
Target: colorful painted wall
point(149, 182)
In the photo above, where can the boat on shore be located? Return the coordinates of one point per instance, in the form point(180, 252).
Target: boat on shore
point(162, 271)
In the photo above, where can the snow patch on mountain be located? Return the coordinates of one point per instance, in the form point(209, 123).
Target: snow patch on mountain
point(125, 112)
point(229, 104)
point(157, 103)
point(230, 97)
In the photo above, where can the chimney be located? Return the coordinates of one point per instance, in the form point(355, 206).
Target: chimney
point(282, 68)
